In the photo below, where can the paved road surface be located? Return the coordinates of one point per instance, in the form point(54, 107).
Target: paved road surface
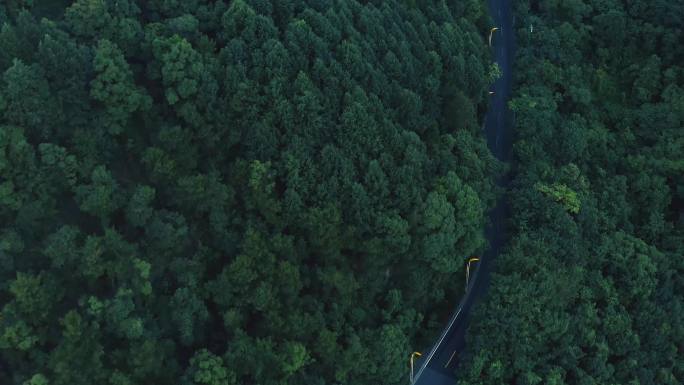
point(437, 366)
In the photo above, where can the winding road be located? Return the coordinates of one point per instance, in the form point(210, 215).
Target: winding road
point(437, 366)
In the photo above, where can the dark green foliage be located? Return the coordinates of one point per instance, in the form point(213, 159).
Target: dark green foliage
point(590, 289)
point(237, 192)
point(27, 100)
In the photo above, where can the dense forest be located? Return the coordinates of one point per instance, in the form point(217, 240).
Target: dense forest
point(591, 287)
point(259, 192)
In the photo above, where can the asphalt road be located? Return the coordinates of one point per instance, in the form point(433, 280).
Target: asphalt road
point(437, 366)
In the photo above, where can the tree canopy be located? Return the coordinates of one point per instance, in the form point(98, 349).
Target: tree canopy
point(237, 192)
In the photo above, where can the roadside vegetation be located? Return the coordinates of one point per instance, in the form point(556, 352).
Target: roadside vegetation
point(590, 289)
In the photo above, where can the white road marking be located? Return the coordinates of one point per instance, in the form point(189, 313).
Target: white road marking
point(450, 358)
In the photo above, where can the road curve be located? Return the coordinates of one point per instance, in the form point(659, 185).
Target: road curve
point(437, 366)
